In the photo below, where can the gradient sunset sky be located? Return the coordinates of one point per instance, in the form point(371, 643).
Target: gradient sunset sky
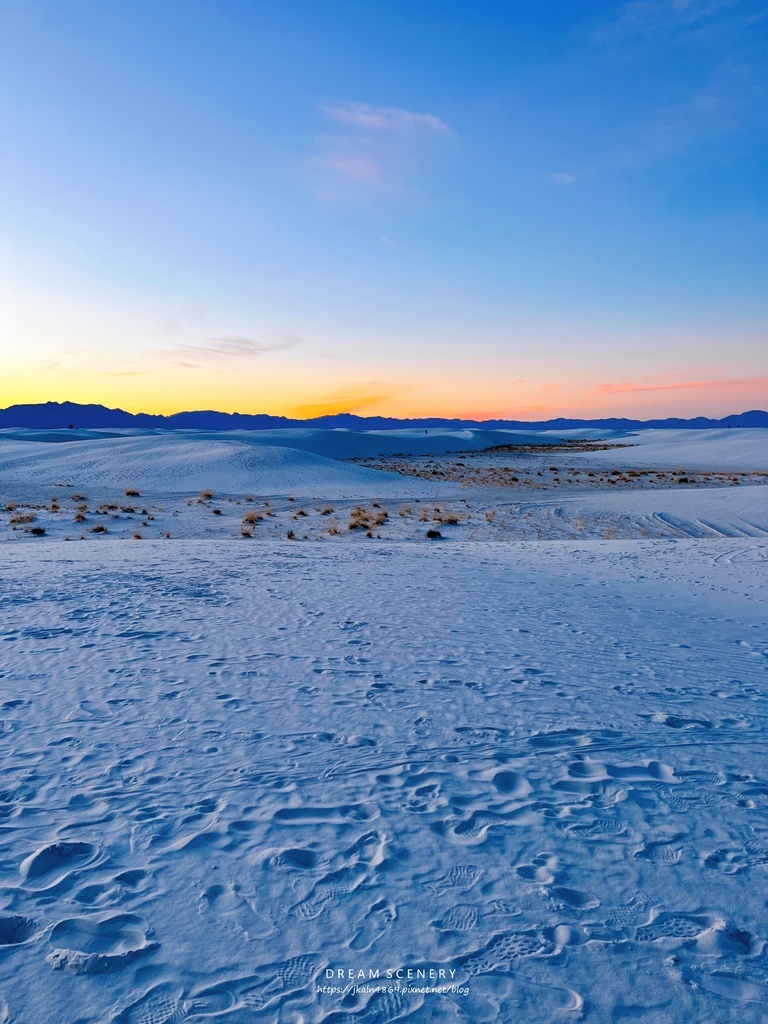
point(428, 207)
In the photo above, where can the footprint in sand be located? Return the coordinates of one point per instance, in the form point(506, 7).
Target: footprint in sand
point(100, 943)
point(636, 911)
point(465, 916)
point(340, 883)
point(15, 930)
point(53, 864)
point(503, 950)
point(456, 879)
point(162, 1004)
point(675, 926)
point(275, 981)
point(226, 905)
point(375, 924)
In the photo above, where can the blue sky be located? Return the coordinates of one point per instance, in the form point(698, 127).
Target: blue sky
point(395, 208)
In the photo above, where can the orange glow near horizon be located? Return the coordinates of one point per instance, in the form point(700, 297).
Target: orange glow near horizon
point(302, 398)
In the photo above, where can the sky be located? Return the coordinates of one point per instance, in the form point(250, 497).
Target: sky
point(480, 209)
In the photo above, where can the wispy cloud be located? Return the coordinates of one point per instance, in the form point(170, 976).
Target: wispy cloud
point(233, 348)
point(358, 167)
point(361, 115)
point(372, 150)
point(641, 18)
point(562, 179)
point(725, 384)
point(397, 245)
point(355, 399)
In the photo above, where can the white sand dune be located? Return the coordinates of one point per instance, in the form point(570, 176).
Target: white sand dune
point(233, 764)
point(689, 449)
point(168, 463)
point(229, 769)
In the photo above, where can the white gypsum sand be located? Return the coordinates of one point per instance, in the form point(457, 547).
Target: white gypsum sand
point(232, 766)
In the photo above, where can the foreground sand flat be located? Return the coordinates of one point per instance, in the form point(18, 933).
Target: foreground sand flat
point(230, 767)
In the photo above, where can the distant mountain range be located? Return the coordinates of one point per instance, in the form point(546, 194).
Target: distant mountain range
point(58, 415)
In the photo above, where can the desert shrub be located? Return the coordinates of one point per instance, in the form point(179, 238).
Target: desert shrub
point(137, 536)
point(98, 528)
point(217, 511)
point(37, 531)
point(433, 534)
point(291, 535)
point(79, 518)
point(131, 492)
point(22, 518)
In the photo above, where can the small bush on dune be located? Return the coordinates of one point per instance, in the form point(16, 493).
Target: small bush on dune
point(21, 518)
point(98, 528)
point(433, 534)
point(37, 531)
point(132, 493)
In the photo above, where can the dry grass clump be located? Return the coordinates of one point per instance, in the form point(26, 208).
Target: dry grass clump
point(433, 534)
point(406, 510)
point(80, 518)
point(334, 531)
point(137, 536)
point(245, 533)
point(291, 535)
point(98, 528)
point(37, 531)
point(204, 496)
point(131, 492)
point(251, 518)
point(327, 511)
point(78, 497)
point(22, 518)
point(446, 518)
point(361, 518)
point(217, 511)
point(299, 513)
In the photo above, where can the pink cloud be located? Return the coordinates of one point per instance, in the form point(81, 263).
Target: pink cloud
point(361, 115)
point(355, 166)
point(744, 384)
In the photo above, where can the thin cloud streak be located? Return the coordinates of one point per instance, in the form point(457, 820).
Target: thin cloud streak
point(362, 115)
point(354, 399)
point(234, 347)
point(642, 18)
point(689, 385)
